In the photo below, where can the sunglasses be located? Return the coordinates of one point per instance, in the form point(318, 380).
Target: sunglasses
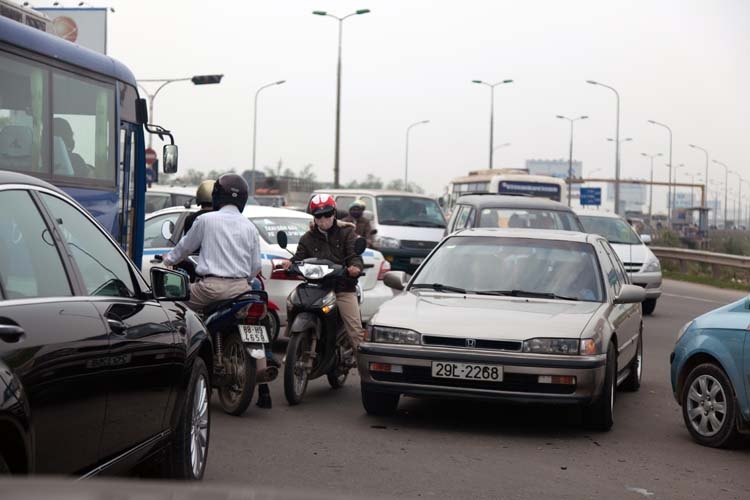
point(323, 216)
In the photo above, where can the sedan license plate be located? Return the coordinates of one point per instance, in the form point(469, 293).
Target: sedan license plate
point(255, 334)
point(467, 371)
point(416, 260)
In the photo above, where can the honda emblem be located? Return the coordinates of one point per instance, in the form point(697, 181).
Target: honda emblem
point(471, 343)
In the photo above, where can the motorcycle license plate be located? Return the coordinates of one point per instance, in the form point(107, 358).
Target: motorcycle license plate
point(255, 334)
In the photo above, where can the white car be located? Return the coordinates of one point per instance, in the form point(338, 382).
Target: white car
point(269, 221)
point(639, 261)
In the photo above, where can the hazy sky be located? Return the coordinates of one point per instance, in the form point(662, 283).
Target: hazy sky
point(681, 62)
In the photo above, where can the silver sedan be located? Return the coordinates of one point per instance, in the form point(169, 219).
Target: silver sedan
point(517, 315)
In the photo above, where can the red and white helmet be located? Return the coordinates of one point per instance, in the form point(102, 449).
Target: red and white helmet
point(322, 204)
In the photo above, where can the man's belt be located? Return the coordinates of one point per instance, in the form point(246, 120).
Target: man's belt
point(224, 277)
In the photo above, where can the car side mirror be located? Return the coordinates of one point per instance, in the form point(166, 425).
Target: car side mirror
point(169, 285)
point(360, 245)
point(630, 294)
point(395, 279)
point(646, 239)
point(170, 158)
point(167, 230)
point(282, 239)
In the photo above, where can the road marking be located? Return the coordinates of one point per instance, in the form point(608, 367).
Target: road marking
point(694, 298)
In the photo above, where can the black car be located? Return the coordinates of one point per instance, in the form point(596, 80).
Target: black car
point(497, 210)
point(99, 372)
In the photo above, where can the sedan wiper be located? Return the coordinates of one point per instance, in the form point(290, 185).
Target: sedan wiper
point(525, 293)
point(439, 287)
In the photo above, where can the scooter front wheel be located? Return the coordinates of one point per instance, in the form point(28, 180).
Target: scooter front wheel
point(297, 366)
point(240, 367)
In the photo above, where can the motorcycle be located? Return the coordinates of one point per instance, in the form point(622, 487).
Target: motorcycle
point(238, 329)
point(318, 343)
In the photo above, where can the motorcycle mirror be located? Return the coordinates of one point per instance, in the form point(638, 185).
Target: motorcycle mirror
point(282, 239)
point(359, 246)
point(373, 232)
point(167, 229)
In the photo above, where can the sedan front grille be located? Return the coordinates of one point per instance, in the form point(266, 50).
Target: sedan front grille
point(418, 245)
point(501, 345)
point(632, 267)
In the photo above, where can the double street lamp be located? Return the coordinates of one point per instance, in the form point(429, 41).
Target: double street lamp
point(406, 162)
point(492, 110)
point(255, 128)
point(196, 79)
point(570, 152)
point(651, 186)
point(617, 144)
point(338, 87)
point(670, 196)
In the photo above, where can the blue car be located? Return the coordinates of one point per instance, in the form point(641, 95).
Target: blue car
point(710, 372)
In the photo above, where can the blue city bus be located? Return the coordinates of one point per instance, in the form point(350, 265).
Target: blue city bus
point(73, 117)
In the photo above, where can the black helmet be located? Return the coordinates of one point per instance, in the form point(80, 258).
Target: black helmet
point(230, 189)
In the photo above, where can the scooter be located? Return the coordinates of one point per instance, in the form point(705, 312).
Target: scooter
point(318, 344)
point(238, 330)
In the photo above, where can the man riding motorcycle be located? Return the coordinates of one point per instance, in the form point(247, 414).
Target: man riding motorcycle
point(362, 223)
point(334, 240)
point(203, 198)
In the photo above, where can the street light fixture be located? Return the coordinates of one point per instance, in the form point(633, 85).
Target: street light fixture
point(726, 187)
point(196, 79)
point(651, 186)
point(255, 128)
point(406, 162)
point(338, 88)
point(492, 110)
point(670, 196)
point(570, 152)
point(503, 145)
point(617, 144)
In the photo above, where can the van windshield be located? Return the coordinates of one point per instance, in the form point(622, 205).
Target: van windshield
point(405, 210)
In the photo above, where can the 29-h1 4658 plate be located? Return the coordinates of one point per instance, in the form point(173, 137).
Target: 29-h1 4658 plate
point(255, 334)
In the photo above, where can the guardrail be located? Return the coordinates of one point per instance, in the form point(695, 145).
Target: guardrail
point(716, 260)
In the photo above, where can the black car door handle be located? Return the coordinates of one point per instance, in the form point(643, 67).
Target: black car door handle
point(117, 326)
point(11, 333)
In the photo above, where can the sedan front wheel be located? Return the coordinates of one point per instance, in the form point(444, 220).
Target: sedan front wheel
point(709, 407)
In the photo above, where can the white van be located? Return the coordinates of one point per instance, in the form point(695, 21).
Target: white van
point(408, 225)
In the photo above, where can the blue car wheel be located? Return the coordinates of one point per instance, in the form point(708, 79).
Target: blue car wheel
point(709, 406)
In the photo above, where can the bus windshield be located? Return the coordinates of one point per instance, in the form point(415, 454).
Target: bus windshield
point(405, 210)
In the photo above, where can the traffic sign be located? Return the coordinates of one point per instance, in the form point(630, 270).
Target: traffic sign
point(150, 156)
point(591, 196)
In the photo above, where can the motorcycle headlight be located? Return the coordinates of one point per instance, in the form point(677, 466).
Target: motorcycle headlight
point(682, 331)
point(651, 265)
point(388, 335)
point(384, 242)
point(551, 346)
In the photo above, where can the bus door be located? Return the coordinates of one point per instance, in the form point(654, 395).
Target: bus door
point(126, 184)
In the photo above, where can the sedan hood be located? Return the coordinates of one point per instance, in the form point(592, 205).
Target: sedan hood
point(631, 253)
point(483, 317)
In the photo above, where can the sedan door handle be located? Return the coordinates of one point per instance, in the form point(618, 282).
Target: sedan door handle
point(11, 333)
point(117, 326)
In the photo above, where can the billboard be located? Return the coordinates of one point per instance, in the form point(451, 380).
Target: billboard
point(85, 26)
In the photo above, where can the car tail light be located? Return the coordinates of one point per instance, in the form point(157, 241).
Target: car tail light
point(280, 274)
point(385, 266)
point(255, 313)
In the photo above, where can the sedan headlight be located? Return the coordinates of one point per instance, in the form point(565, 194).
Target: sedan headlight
point(551, 346)
point(384, 242)
point(388, 335)
point(684, 328)
point(651, 265)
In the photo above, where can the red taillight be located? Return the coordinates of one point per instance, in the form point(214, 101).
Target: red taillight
point(256, 312)
point(277, 273)
point(385, 266)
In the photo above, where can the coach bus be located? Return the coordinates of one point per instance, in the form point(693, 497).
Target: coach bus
point(73, 117)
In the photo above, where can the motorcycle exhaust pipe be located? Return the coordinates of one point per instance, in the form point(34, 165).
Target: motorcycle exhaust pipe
point(264, 373)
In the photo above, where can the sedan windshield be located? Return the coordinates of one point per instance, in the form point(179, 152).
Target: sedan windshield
point(518, 267)
point(534, 218)
point(409, 211)
point(616, 230)
point(294, 227)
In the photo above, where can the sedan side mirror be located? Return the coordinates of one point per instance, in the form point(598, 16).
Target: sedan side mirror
point(170, 158)
point(630, 294)
point(395, 279)
point(646, 239)
point(169, 285)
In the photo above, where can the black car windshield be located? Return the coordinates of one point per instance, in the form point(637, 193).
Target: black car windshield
point(294, 227)
point(616, 230)
point(520, 267)
point(405, 210)
point(538, 218)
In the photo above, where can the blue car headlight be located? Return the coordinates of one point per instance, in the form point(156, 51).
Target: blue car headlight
point(682, 331)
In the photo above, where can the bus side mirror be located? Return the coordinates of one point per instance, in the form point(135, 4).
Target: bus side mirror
point(170, 158)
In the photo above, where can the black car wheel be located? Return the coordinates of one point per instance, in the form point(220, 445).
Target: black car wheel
point(709, 406)
point(600, 415)
point(633, 382)
point(189, 449)
point(648, 306)
point(379, 403)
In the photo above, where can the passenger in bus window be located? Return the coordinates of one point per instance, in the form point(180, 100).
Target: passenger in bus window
point(62, 129)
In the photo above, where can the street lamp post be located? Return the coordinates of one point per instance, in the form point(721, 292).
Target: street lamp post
point(255, 128)
point(492, 110)
point(406, 161)
point(670, 196)
point(570, 152)
point(617, 144)
point(651, 186)
point(338, 87)
point(704, 198)
point(726, 188)
point(197, 80)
